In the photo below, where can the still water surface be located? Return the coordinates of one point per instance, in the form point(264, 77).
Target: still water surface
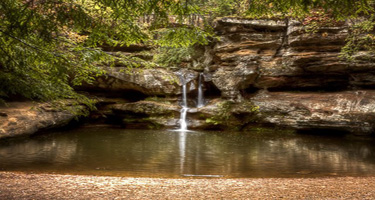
point(154, 153)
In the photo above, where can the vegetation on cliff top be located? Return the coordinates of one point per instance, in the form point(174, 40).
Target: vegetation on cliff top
point(48, 46)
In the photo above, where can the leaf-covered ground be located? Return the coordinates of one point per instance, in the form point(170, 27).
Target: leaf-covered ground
point(47, 186)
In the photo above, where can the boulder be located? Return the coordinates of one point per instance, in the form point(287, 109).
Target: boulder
point(231, 81)
point(26, 118)
point(155, 81)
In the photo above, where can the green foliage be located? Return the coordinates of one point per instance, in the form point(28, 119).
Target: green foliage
point(48, 47)
point(361, 37)
point(182, 37)
point(130, 61)
point(171, 57)
point(301, 8)
point(318, 19)
point(218, 8)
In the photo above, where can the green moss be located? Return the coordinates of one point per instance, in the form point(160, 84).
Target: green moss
point(149, 122)
point(213, 121)
point(228, 114)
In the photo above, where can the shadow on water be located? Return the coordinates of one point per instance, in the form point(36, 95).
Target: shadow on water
point(324, 132)
point(151, 153)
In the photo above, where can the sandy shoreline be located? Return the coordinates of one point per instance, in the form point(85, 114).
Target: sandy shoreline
point(47, 186)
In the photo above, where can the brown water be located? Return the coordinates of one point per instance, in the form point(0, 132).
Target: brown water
point(153, 153)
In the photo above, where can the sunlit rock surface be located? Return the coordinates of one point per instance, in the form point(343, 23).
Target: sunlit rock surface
point(352, 111)
point(25, 118)
point(286, 56)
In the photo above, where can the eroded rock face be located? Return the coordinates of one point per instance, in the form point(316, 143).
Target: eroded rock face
point(243, 46)
point(285, 56)
point(231, 81)
point(25, 118)
point(352, 111)
point(156, 81)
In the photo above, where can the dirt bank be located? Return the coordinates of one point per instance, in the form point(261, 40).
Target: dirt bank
point(46, 186)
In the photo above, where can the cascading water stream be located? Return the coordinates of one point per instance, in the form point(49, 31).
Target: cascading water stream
point(183, 124)
point(200, 92)
point(184, 104)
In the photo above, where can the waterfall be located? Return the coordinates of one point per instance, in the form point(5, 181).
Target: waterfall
point(200, 103)
point(183, 124)
point(200, 91)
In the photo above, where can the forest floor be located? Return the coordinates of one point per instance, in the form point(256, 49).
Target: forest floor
point(49, 186)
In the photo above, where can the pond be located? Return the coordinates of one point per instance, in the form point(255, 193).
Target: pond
point(161, 153)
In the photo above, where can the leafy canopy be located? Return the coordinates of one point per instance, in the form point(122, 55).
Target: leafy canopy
point(340, 9)
point(49, 46)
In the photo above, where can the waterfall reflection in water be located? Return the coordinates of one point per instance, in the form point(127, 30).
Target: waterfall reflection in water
point(106, 151)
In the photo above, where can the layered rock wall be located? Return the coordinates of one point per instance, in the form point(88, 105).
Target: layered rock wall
point(285, 56)
point(298, 78)
point(260, 72)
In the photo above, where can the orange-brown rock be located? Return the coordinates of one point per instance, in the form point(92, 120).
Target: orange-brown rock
point(351, 111)
point(26, 118)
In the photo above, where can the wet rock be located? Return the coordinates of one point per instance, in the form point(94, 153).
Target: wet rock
point(146, 107)
point(188, 77)
point(351, 111)
point(223, 114)
point(147, 114)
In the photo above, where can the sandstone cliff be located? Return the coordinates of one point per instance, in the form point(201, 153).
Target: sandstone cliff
point(259, 72)
point(286, 76)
